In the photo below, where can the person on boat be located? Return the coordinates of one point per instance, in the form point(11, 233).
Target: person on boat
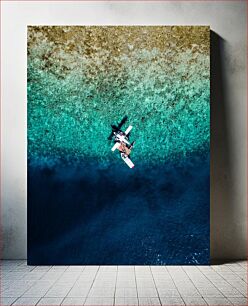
point(123, 148)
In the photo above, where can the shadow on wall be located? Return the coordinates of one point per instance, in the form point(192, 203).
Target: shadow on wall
point(222, 209)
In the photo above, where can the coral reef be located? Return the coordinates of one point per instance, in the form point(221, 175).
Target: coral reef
point(82, 79)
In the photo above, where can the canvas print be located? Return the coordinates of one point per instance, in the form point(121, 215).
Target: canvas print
point(118, 145)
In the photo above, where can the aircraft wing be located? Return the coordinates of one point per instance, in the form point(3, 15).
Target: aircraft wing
point(116, 145)
point(128, 130)
point(127, 160)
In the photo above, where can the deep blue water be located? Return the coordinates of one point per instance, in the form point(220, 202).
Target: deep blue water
point(87, 213)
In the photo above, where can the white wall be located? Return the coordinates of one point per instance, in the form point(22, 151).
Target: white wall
point(228, 142)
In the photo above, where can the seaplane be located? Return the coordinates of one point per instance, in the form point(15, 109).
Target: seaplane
point(122, 143)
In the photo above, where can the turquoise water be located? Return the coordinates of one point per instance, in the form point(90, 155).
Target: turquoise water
point(165, 95)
